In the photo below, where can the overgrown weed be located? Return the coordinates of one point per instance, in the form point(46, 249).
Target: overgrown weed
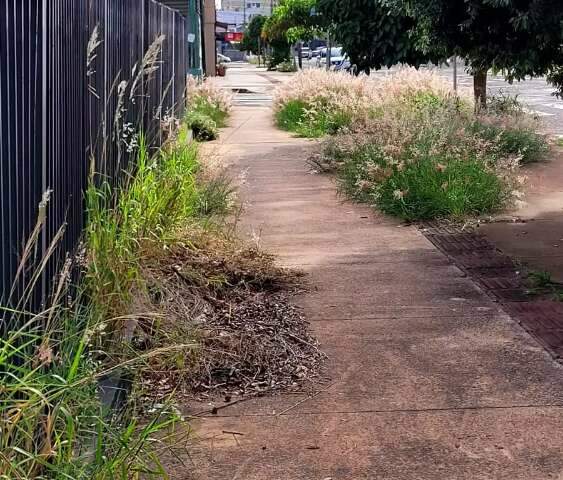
point(418, 150)
point(208, 108)
point(52, 421)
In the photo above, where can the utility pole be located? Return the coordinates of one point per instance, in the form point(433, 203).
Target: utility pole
point(244, 14)
point(328, 50)
point(455, 72)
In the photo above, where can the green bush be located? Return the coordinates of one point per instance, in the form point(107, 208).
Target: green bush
point(286, 66)
point(202, 125)
point(297, 116)
point(422, 190)
point(211, 110)
point(291, 115)
point(431, 187)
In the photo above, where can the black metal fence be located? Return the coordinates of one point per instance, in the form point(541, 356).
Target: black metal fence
point(78, 78)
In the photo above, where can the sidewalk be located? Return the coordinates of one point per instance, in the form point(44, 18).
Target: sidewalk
point(429, 379)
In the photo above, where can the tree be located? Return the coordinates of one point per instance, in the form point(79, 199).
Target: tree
point(293, 20)
point(518, 37)
point(290, 22)
point(372, 33)
point(252, 35)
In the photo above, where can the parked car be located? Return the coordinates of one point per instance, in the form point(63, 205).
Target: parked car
point(336, 57)
point(223, 58)
point(315, 53)
point(321, 54)
point(344, 66)
point(305, 51)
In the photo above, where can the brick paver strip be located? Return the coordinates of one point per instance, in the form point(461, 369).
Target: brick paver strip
point(498, 276)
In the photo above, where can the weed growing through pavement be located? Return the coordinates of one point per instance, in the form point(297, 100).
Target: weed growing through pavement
point(410, 145)
point(542, 283)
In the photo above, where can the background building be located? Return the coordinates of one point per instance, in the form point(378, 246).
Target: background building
point(249, 8)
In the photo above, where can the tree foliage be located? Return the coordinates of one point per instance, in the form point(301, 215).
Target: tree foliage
point(251, 40)
point(518, 37)
point(292, 20)
point(372, 33)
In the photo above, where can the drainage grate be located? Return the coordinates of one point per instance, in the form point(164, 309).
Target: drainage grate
point(241, 90)
point(499, 276)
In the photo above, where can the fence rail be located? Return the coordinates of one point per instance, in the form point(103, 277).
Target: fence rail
point(77, 78)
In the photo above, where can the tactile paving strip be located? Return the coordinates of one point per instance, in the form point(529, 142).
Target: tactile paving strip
point(499, 276)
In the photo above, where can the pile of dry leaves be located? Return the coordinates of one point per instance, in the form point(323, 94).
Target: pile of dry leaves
point(233, 303)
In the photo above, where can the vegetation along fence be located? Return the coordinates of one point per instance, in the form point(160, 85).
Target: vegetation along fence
point(78, 79)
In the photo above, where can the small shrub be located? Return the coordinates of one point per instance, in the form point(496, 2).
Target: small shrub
point(291, 115)
point(286, 66)
point(208, 109)
point(202, 125)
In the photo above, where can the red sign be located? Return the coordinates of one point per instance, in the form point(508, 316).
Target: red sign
point(233, 36)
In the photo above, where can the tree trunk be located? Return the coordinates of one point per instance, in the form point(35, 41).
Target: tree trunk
point(480, 89)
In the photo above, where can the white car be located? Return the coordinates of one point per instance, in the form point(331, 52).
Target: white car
point(223, 58)
point(337, 56)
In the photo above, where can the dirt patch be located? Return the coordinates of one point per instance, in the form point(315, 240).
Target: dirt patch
point(234, 304)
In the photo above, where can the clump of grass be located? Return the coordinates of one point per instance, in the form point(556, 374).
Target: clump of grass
point(53, 424)
point(317, 103)
point(208, 109)
point(295, 116)
point(435, 185)
point(512, 141)
point(291, 115)
point(204, 128)
point(164, 192)
point(542, 283)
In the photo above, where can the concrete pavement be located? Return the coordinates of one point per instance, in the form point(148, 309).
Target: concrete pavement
point(430, 380)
